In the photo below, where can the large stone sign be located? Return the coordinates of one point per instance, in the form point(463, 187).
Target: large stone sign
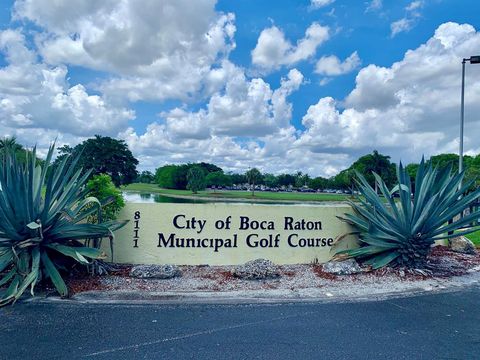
point(228, 234)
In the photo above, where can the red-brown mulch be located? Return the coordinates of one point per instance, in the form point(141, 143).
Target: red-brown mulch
point(441, 262)
point(81, 284)
point(318, 270)
point(81, 280)
point(288, 273)
point(220, 276)
point(444, 262)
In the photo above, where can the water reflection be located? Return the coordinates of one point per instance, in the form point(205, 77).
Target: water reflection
point(131, 197)
point(145, 196)
point(157, 198)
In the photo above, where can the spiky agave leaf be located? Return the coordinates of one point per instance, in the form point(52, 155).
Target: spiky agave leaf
point(38, 229)
point(402, 233)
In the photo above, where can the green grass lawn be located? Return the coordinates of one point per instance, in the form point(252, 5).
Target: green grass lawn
point(261, 195)
point(475, 238)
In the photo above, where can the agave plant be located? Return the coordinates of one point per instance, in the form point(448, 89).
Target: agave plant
point(43, 212)
point(403, 232)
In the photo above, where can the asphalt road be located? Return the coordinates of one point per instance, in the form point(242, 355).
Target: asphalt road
point(437, 326)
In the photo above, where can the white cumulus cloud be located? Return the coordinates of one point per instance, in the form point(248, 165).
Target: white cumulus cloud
point(34, 95)
point(332, 66)
point(157, 49)
point(273, 50)
point(247, 107)
point(406, 110)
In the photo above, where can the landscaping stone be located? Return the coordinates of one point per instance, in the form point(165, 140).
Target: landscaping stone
point(462, 245)
point(345, 267)
point(258, 269)
point(166, 271)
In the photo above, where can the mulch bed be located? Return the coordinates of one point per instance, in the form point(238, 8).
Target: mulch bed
point(442, 263)
point(87, 283)
point(81, 281)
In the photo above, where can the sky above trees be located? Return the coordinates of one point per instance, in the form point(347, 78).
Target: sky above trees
point(300, 86)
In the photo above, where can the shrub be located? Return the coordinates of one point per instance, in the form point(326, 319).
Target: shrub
point(43, 222)
point(102, 187)
point(402, 233)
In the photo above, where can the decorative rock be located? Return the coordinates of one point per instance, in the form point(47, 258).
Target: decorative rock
point(345, 267)
point(462, 245)
point(155, 271)
point(258, 269)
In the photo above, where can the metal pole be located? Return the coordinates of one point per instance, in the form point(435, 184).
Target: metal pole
point(462, 116)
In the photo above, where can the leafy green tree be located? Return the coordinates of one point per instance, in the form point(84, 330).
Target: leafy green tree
point(165, 176)
point(238, 179)
point(196, 179)
point(270, 180)
point(104, 155)
point(298, 179)
point(102, 187)
point(175, 176)
point(209, 168)
point(253, 176)
point(301, 179)
point(377, 163)
point(286, 180)
point(180, 176)
point(217, 178)
point(318, 183)
point(146, 177)
point(444, 160)
point(473, 171)
point(412, 170)
point(471, 166)
point(345, 179)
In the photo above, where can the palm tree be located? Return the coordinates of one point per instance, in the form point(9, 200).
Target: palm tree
point(253, 176)
point(10, 143)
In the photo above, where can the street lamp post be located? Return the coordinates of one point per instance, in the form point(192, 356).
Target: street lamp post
point(472, 60)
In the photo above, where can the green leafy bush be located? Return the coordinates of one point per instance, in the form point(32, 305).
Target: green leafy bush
point(42, 222)
point(102, 187)
point(402, 233)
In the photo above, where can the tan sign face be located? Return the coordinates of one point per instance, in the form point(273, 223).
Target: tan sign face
point(228, 234)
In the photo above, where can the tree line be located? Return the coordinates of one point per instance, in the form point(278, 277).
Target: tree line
point(176, 176)
point(106, 155)
point(209, 175)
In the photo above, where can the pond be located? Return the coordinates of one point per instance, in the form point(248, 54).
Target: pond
point(142, 198)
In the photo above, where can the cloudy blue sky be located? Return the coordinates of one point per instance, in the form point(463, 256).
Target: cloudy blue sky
point(283, 86)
